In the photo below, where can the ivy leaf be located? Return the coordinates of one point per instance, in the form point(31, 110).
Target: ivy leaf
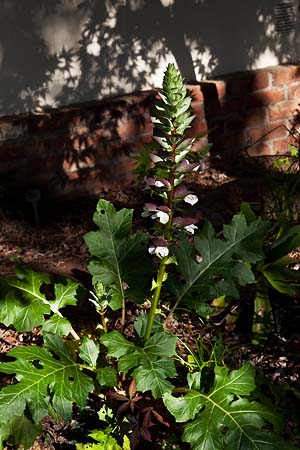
point(118, 257)
point(89, 351)
point(151, 364)
point(40, 371)
point(220, 421)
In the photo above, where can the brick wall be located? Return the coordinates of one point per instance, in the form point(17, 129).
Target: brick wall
point(248, 111)
point(86, 147)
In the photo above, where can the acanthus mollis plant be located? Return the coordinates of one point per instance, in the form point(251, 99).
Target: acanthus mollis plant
point(170, 165)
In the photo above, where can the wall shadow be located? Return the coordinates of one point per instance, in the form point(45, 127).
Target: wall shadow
point(66, 51)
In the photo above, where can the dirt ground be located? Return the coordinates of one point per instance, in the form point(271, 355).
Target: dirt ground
point(56, 245)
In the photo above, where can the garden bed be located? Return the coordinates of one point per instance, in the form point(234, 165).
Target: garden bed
point(56, 246)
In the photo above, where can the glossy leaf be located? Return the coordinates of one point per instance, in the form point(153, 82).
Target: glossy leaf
point(118, 257)
point(25, 306)
point(89, 351)
point(220, 268)
point(39, 373)
point(224, 418)
point(152, 364)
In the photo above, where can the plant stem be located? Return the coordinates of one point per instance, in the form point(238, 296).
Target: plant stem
point(103, 323)
point(72, 331)
point(156, 295)
point(171, 312)
point(84, 366)
point(123, 317)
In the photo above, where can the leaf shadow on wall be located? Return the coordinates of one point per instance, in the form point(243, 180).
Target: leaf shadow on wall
point(70, 51)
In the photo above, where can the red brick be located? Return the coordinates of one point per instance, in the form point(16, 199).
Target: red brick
point(195, 91)
point(260, 149)
point(256, 116)
point(266, 97)
point(281, 146)
point(283, 110)
point(282, 75)
point(243, 84)
point(261, 80)
point(198, 109)
point(267, 132)
point(294, 91)
point(198, 126)
point(127, 129)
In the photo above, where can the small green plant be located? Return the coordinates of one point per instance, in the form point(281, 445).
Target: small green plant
point(273, 273)
point(105, 439)
point(221, 416)
point(281, 203)
point(173, 264)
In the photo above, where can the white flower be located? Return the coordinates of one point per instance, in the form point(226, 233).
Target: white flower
point(155, 158)
point(158, 184)
point(191, 228)
point(191, 199)
point(159, 251)
point(162, 216)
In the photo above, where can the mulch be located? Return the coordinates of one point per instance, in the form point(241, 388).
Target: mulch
point(56, 246)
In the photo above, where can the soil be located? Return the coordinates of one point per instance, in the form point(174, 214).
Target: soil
point(55, 245)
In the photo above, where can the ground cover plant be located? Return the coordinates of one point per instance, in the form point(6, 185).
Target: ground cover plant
point(177, 263)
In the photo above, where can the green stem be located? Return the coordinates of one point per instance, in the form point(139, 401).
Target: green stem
point(84, 366)
point(171, 312)
point(156, 295)
point(103, 323)
point(72, 331)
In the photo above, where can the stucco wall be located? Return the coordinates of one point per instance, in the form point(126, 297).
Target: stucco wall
point(55, 52)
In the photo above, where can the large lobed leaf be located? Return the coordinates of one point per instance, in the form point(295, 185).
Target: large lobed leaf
point(47, 378)
point(222, 419)
point(24, 305)
point(151, 364)
point(221, 265)
point(118, 257)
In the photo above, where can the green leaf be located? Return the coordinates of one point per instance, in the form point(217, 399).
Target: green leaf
point(107, 376)
point(24, 305)
point(65, 294)
point(247, 239)
point(220, 421)
point(151, 375)
point(40, 371)
point(220, 266)
point(116, 344)
point(287, 242)
point(89, 351)
point(57, 325)
point(151, 364)
point(283, 280)
point(104, 441)
point(118, 257)
point(24, 432)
